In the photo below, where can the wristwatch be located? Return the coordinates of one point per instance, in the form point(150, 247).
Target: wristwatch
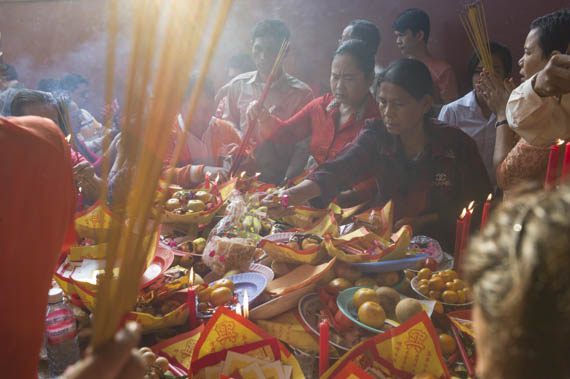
point(499, 123)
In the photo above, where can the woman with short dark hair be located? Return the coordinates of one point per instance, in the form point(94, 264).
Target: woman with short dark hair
point(430, 172)
point(335, 119)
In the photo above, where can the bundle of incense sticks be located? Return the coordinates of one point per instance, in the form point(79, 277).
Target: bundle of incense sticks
point(167, 36)
point(253, 123)
point(475, 24)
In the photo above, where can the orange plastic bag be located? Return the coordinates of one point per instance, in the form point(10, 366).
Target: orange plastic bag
point(407, 350)
point(226, 330)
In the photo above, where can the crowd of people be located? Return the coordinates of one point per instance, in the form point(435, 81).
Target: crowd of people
point(397, 133)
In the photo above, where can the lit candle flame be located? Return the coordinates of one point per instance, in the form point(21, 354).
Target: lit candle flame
point(79, 189)
point(217, 179)
point(191, 277)
point(238, 309)
point(559, 141)
point(245, 305)
point(68, 138)
point(242, 174)
point(208, 175)
point(471, 206)
point(490, 197)
point(462, 215)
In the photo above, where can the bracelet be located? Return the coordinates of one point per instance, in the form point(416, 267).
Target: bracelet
point(499, 123)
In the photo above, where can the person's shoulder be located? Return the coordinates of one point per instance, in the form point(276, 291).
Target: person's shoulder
point(374, 126)
point(297, 83)
point(241, 78)
point(454, 106)
point(450, 135)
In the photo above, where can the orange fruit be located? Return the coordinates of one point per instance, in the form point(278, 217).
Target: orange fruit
point(409, 274)
point(447, 344)
point(458, 283)
point(461, 297)
point(221, 296)
point(424, 289)
point(434, 294)
point(436, 283)
point(387, 279)
point(423, 282)
point(449, 297)
point(340, 284)
point(450, 286)
point(448, 275)
point(371, 314)
point(204, 295)
point(225, 283)
point(424, 273)
point(365, 282)
point(363, 295)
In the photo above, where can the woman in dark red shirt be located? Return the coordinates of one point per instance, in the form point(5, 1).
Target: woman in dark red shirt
point(431, 172)
point(333, 120)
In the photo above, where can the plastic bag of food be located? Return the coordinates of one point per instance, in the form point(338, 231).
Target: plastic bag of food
point(223, 254)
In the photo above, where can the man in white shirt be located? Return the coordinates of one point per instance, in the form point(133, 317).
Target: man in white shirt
point(539, 109)
point(471, 113)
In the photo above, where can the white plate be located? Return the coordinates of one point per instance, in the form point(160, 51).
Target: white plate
point(255, 267)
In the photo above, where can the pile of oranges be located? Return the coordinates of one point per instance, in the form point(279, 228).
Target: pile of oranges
point(444, 286)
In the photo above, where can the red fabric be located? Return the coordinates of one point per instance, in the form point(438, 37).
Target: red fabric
point(38, 200)
point(316, 121)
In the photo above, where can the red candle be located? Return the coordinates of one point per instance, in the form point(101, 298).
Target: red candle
point(459, 237)
point(465, 238)
point(191, 301)
point(552, 169)
point(566, 165)
point(324, 346)
point(486, 210)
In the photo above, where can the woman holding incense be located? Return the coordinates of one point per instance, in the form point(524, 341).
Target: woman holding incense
point(431, 172)
point(335, 119)
point(516, 159)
